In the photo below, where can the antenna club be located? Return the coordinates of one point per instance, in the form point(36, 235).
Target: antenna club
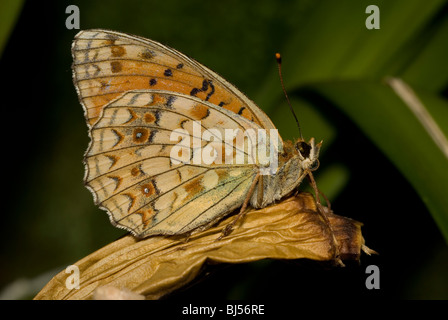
point(278, 57)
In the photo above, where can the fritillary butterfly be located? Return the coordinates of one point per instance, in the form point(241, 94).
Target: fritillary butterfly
point(135, 93)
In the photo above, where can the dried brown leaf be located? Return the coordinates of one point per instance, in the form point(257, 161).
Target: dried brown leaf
point(156, 266)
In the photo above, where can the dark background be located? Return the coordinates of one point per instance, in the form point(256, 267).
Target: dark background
point(49, 219)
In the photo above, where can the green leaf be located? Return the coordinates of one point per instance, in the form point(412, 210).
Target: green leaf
point(332, 52)
point(389, 122)
point(331, 42)
point(9, 12)
point(428, 69)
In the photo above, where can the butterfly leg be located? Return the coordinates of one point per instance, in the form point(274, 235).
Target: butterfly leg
point(323, 213)
point(228, 229)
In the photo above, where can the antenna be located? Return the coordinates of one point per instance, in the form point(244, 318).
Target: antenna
point(279, 63)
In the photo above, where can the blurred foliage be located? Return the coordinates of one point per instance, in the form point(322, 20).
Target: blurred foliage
point(9, 11)
point(378, 165)
point(351, 79)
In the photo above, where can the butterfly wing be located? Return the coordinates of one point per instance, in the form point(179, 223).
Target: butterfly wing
point(107, 64)
point(131, 172)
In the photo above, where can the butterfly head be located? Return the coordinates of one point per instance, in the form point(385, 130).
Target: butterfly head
point(308, 153)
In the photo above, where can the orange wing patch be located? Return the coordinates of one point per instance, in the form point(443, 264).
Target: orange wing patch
point(107, 65)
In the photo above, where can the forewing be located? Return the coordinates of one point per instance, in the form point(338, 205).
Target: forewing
point(107, 64)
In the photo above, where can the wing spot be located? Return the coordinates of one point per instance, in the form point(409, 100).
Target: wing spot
point(132, 116)
point(97, 70)
point(200, 112)
point(135, 171)
point(117, 181)
point(147, 54)
point(115, 66)
point(152, 82)
point(157, 114)
point(170, 101)
point(149, 117)
point(194, 186)
point(206, 85)
point(151, 136)
point(104, 85)
point(194, 92)
point(146, 216)
point(117, 51)
point(222, 174)
point(148, 189)
point(140, 135)
point(158, 99)
point(113, 160)
point(111, 39)
point(119, 137)
point(182, 123)
point(131, 200)
point(168, 73)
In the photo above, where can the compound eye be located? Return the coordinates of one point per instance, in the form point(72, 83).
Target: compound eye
point(315, 165)
point(304, 148)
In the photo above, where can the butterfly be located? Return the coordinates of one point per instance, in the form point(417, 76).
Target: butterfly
point(136, 93)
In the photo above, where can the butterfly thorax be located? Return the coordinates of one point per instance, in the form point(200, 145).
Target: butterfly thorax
point(298, 159)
